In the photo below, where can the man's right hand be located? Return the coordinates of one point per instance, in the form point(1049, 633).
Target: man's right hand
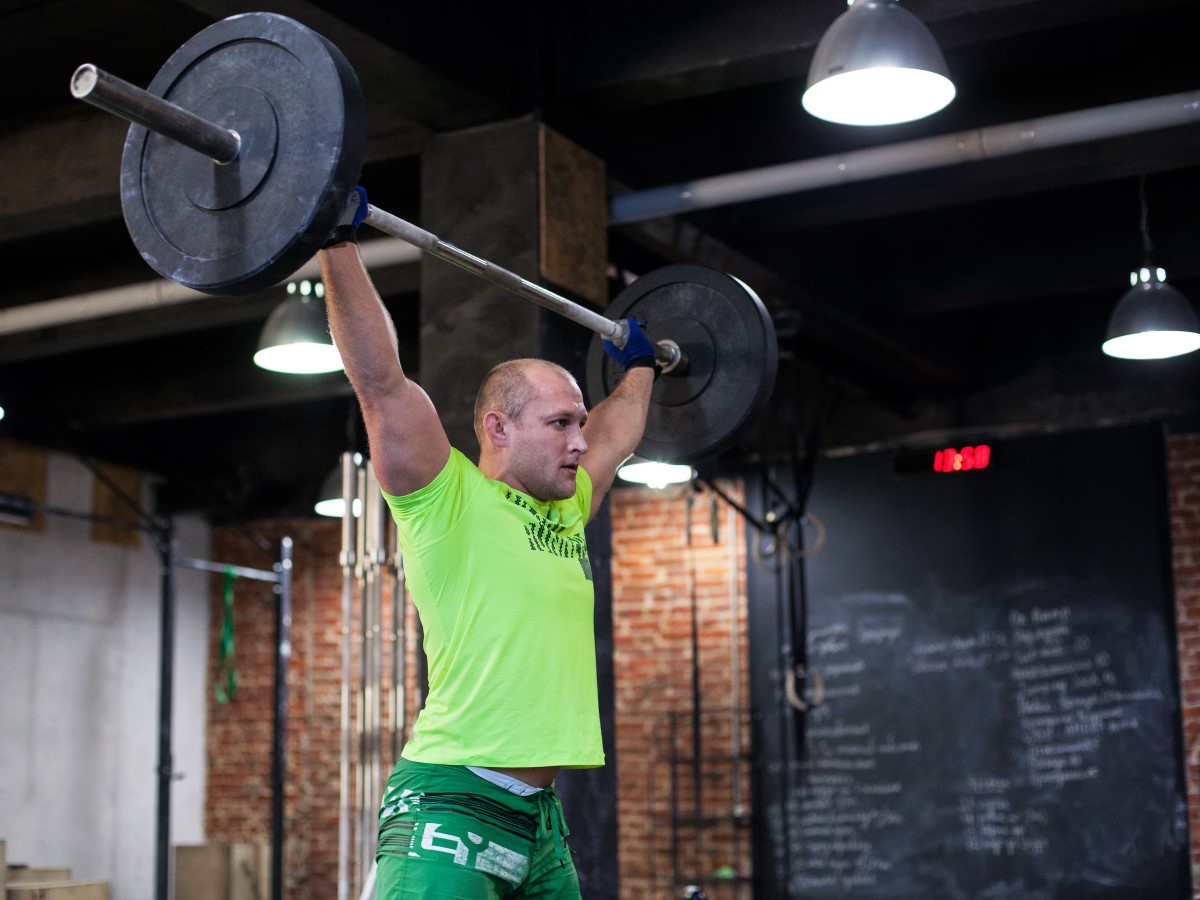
point(346, 228)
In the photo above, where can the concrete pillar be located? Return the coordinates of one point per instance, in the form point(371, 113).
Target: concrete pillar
point(519, 195)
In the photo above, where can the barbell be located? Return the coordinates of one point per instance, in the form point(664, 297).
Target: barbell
point(241, 156)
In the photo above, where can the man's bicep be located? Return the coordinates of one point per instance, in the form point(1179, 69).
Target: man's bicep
point(601, 463)
point(408, 444)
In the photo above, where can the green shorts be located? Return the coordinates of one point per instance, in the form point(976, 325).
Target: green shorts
point(447, 833)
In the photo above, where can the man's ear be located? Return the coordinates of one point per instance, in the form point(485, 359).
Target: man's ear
point(495, 426)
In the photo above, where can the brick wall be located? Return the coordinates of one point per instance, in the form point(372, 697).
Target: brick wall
point(661, 561)
point(654, 567)
point(1183, 472)
point(239, 737)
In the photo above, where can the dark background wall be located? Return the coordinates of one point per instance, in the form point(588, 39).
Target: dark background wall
point(1001, 696)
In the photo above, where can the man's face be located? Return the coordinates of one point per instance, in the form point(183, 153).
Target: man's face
point(547, 440)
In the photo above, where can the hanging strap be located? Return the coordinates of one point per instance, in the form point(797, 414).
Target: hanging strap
point(227, 691)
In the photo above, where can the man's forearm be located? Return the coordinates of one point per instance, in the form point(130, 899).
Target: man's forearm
point(360, 325)
point(622, 414)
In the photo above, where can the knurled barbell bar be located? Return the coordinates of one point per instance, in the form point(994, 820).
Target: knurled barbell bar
point(240, 159)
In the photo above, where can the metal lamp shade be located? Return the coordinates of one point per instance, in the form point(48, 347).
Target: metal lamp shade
point(296, 339)
point(877, 65)
point(330, 500)
point(1152, 321)
point(654, 474)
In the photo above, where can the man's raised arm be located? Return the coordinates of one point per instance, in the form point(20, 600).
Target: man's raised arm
point(408, 444)
point(615, 425)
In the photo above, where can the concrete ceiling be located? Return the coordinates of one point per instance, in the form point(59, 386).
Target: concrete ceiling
point(951, 301)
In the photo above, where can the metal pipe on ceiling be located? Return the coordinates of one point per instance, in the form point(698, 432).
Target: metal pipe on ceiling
point(990, 142)
point(146, 295)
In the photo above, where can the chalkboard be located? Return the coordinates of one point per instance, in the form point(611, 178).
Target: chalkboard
point(1001, 710)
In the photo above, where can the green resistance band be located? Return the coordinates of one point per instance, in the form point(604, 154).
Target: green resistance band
point(227, 691)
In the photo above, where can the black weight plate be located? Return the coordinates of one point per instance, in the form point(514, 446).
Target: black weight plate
point(729, 340)
point(298, 107)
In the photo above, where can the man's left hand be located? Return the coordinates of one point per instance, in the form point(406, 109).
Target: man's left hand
point(637, 347)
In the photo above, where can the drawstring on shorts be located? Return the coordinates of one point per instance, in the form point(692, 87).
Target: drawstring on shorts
point(552, 824)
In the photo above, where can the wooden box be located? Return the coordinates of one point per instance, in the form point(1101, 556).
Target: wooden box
point(25, 874)
point(59, 890)
point(223, 872)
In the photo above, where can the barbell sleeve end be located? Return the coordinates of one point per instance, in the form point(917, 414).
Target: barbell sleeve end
point(111, 94)
point(670, 356)
point(83, 81)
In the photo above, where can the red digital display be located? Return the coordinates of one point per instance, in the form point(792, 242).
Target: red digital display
point(962, 459)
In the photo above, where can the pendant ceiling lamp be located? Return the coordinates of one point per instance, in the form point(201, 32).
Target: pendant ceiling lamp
point(1152, 320)
point(877, 65)
point(654, 474)
point(331, 500)
point(295, 338)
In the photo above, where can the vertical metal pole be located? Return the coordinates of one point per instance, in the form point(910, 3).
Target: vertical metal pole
point(674, 757)
point(399, 713)
point(381, 559)
point(283, 652)
point(348, 560)
point(736, 665)
point(374, 554)
point(697, 758)
point(786, 712)
point(162, 862)
point(360, 571)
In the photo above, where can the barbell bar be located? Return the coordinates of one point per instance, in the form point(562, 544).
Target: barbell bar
point(245, 148)
point(222, 145)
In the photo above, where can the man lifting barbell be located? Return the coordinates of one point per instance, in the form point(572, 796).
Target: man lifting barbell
point(497, 564)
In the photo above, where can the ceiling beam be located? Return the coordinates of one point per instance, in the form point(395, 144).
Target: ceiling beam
point(401, 93)
point(379, 256)
point(77, 161)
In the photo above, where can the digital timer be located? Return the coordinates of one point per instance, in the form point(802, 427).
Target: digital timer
point(963, 459)
point(972, 458)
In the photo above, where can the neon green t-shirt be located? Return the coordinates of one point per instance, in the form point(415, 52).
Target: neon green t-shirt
point(503, 585)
